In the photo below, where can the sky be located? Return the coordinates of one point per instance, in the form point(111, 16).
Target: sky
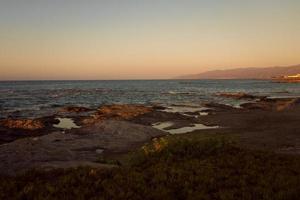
point(143, 39)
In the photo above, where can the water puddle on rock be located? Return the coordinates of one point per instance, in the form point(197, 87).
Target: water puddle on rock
point(184, 109)
point(66, 123)
point(196, 116)
point(203, 113)
point(188, 111)
point(163, 125)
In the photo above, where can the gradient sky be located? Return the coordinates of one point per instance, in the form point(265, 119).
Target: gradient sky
point(137, 39)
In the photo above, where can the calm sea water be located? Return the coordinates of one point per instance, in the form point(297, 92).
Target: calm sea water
point(40, 98)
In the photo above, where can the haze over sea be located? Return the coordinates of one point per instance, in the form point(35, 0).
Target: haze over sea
point(42, 98)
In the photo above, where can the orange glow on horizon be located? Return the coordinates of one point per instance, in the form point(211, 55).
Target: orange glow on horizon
point(160, 40)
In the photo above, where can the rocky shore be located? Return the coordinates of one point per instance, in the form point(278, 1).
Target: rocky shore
point(112, 130)
point(239, 95)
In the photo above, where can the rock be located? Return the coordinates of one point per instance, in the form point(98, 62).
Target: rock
point(218, 107)
point(119, 112)
point(75, 109)
point(288, 104)
point(158, 107)
point(239, 95)
point(13, 129)
point(99, 151)
point(79, 146)
point(179, 120)
point(279, 104)
point(27, 124)
point(256, 106)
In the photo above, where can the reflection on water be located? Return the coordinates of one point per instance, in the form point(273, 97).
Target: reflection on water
point(33, 99)
point(163, 125)
point(184, 109)
point(66, 123)
point(203, 113)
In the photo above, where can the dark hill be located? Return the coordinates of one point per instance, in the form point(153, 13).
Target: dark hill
point(246, 73)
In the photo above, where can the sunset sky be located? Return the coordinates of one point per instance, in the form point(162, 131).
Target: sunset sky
point(144, 39)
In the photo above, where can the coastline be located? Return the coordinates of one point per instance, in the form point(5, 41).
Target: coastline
point(135, 145)
point(287, 80)
point(106, 129)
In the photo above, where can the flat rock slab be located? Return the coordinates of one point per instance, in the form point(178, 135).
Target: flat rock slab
point(75, 148)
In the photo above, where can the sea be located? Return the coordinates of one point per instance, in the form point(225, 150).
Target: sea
point(32, 99)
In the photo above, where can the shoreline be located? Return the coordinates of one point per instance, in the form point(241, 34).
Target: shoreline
point(116, 152)
point(256, 123)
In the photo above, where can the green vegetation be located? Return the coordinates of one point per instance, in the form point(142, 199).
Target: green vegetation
point(177, 167)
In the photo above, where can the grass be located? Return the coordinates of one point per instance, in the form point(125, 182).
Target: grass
point(180, 167)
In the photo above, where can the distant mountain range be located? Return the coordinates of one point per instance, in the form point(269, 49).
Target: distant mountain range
point(246, 73)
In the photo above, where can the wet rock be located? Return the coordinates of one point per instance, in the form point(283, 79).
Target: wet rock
point(288, 104)
point(158, 107)
point(239, 95)
point(75, 109)
point(257, 106)
point(49, 121)
point(160, 116)
point(178, 120)
point(279, 104)
point(79, 147)
point(119, 112)
point(218, 107)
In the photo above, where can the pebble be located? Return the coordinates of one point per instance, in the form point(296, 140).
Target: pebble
point(99, 151)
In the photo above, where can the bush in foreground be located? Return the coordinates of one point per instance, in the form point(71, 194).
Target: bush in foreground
point(182, 169)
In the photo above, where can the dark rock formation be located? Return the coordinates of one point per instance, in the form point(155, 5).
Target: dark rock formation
point(246, 73)
point(272, 104)
point(76, 148)
point(27, 124)
point(239, 95)
point(216, 107)
point(119, 112)
point(12, 129)
point(75, 109)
